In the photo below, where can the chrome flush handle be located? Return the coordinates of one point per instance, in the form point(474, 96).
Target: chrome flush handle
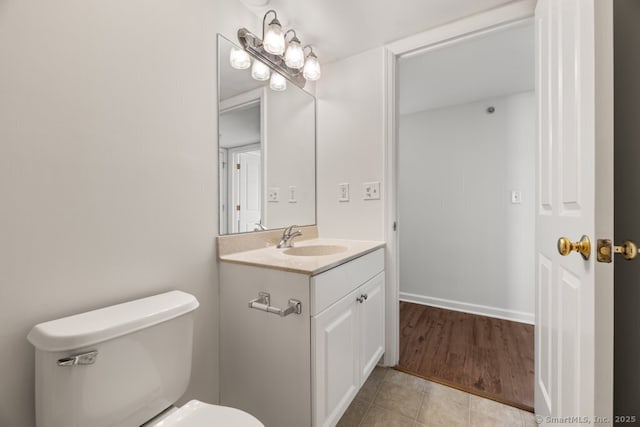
point(88, 358)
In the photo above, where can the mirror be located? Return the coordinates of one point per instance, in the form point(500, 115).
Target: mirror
point(266, 151)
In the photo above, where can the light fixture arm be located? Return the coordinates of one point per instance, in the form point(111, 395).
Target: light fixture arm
point(295, 36)
point(264, 20)
point(311, 53)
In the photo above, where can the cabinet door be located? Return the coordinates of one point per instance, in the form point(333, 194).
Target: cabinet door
point(371, 324)
point(336, 376)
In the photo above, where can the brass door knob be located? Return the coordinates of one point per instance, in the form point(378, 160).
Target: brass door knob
point(629, 250)
point(583, 247)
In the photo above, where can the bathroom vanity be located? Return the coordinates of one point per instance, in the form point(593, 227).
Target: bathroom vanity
point(301, 329)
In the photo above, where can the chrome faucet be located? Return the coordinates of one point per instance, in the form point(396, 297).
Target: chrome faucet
point(287, 237)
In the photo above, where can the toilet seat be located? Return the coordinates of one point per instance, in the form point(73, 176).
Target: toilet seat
point(200, 414)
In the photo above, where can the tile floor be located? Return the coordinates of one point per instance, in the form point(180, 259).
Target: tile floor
point(391, 398)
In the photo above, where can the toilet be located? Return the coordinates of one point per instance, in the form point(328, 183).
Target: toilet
point(124, 365)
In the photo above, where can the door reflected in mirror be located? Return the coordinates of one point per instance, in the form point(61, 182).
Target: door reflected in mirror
point(266, 151)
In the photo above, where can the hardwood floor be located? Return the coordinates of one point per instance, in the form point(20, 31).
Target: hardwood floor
point(489, 357)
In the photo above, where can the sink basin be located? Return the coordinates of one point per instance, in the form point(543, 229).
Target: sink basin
point(315, 250)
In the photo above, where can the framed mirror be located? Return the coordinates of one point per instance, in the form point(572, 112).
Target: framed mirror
point(266, 151)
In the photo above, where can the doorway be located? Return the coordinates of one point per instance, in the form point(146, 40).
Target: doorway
point(240, 165)
point(574, 292)
point(627, 197)
point(466, 141)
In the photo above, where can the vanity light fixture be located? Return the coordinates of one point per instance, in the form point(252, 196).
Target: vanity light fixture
point(311, 66)
point(274, 37)
point(259, 71)
point(294, 55)
point(278, 82)
point(286, 58)
point(239, 59)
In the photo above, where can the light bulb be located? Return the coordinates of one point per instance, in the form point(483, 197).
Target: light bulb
point(277, 82)
point(239, 59)
point(274, 38)
point(311, 68)
point(294, 56)
point(259, 71)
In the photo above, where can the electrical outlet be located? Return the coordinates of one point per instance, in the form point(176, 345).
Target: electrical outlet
point(516, 197)
point(273, 195)
point(292, 194)
point(371, 190)
point(343, 192)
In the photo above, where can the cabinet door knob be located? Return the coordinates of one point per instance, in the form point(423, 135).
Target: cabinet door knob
point(365, 296)
point(360, 299)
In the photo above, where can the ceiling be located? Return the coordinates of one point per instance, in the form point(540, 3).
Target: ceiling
point(341, 28)
point(496, 64)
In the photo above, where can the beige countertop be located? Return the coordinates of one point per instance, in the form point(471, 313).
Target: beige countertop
point(271, 257)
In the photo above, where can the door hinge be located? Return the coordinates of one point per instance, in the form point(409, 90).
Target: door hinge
point(237, 207)
point(395, 226)
point(237, 165)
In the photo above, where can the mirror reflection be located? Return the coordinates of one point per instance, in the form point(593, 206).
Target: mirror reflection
point(266, 147)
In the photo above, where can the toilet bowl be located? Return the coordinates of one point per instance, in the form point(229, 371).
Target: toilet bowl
point(123, 366)
point(200, 414)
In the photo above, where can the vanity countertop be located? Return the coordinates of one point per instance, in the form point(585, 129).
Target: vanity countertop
point(271, 257)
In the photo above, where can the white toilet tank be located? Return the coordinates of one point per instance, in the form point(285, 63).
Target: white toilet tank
point(116, 366)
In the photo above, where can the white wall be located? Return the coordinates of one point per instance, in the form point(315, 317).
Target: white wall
point(351, 145)
point(107, 168)
point(463, 244)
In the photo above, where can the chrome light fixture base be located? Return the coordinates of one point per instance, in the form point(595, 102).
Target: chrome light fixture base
point(252, 44)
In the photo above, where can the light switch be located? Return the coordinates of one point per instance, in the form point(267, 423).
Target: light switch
point(292, 194)
point(371, 190)
point(343, 192)
point(516, 197)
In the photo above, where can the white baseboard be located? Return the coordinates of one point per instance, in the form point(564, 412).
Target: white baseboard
point(484, 310)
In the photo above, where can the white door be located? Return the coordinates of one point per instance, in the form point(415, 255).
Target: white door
point(247, 190)
point(371, 324)
point(574, 304)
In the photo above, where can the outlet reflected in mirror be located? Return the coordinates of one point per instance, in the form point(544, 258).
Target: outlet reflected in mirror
point(266, 151)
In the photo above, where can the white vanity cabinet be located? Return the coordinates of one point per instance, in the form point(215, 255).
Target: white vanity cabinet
point(301, 369)
point(347, 340)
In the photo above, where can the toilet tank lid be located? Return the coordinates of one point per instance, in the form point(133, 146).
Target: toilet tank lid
point(92, 327)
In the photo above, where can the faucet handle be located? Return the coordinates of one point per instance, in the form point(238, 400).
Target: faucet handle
point(287, 237)
point(288, 230)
